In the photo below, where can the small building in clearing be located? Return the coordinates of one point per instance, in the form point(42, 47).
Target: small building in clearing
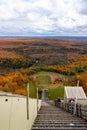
point(75, 92)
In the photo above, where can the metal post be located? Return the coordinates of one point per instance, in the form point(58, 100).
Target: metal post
point(75, 105)
point(27, 97)
point(78, 83)
point(37, 100)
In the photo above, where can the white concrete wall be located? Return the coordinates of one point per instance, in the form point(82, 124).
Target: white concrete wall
point(13, 113)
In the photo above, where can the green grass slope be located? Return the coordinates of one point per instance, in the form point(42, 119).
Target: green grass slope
point(44, 81)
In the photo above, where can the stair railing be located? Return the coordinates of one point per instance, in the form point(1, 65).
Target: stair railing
point(81, 110)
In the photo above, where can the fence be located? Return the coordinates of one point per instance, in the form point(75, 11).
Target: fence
point(79, 110)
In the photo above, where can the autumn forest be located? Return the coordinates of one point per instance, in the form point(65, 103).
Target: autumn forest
point(21, 58)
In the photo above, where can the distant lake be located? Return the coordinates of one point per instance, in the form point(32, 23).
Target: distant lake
point(80, 38)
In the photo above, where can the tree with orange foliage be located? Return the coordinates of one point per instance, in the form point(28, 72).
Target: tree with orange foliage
point(20, 91)
point(84, 82)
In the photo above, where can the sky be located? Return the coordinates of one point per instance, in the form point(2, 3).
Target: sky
point(43, 17)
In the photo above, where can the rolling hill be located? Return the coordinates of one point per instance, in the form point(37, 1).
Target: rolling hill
point(40, 51)
point(22, 57)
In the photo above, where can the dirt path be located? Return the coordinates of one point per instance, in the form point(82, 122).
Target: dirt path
point(52, 76)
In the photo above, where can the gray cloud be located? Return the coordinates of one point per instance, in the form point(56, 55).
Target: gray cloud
point(40, 17)
point(82, 7)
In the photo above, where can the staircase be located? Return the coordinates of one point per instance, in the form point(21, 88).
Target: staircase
point(52, 118)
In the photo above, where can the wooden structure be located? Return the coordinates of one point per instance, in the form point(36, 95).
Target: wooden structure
point(74, 92)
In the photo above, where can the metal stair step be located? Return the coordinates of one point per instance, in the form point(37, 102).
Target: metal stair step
point(52, 118)
point(56, 128)
point(60, 125)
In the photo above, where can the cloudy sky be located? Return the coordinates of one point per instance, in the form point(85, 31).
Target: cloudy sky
point(43, 17)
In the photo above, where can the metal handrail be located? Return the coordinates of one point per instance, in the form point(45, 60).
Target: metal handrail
point(81, 110)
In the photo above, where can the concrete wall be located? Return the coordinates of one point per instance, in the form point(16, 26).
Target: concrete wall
point(13, 113)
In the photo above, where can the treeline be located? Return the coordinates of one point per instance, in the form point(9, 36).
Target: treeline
point(83, 81)
point(15, 63)
point(14, 83)
point(71, 69)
